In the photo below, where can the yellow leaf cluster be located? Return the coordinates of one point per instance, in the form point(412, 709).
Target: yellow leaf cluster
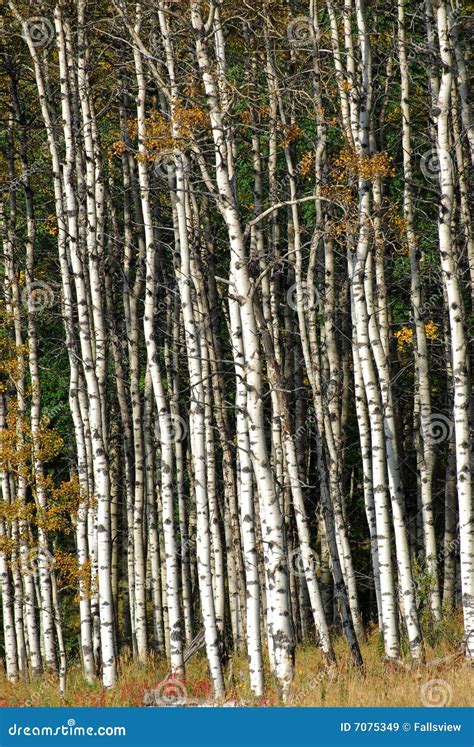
point(7, 545)
point(292, 133)
point(349, 164)
point(118, 148)
point(67, 569)
point(15, 510)
point(404, 337)
point(190, 120)
point(194, 88)
point(405, 334)
point(397, 222)
point(431, 330)
point(51, 225)
point(10, 361)
point(305, 165)
point(337, 193)
point(86, 579)
point(381, 39)
point(257, 114)
point(159, 130)
point(394, 115)
point(19, 446)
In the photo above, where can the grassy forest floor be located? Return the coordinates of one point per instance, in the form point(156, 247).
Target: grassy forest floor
point(445, 679)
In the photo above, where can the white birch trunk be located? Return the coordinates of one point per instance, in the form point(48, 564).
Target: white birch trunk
point(460, 367)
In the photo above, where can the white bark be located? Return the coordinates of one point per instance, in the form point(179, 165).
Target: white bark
point(165, 425)
point(460, 367)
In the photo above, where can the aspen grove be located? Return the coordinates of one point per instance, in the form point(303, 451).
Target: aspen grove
point(236, 333)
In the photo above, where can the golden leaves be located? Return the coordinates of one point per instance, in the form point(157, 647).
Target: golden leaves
point(11, 363)
point(47, 443)
point(292, 133)
point(381, 39)
point(397, 222)
point(405, 335)
point(350, 164)
point(188, 121)
point(305, 166)
point(19, 446)
point(67, 569)
point(431, 330)
point(158, 135)
point(337, 193)
point(394, 115)
point(7, 545)
point(61, 503)
point(16, 510)
point(255, 115)
point(118, 148)
point(74, 576)
point(51, 225)
point(344, 172)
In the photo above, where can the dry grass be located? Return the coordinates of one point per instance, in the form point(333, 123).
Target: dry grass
point(377, 685)
point(381, 685)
